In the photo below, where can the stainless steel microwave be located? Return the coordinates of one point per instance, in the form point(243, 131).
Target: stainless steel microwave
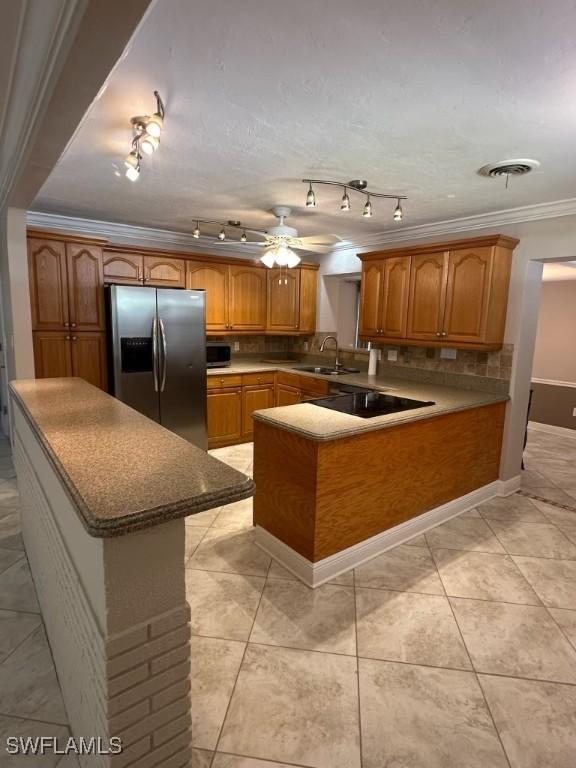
point(218, 354)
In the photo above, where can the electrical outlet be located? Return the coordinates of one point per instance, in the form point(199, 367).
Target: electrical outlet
point(306, 346)
point(236, 346)
point(574, 412)
point(448, 354)
point(393, 355)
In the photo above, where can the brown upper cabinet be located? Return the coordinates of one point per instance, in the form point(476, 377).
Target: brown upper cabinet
point(66, 284)
point(247, 297)
point(128, 268)
point(212, 278)
point(291, 300)
point(447, 294)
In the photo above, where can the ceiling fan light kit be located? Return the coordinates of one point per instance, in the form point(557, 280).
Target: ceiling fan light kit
point(146, 139)
point(357, 185)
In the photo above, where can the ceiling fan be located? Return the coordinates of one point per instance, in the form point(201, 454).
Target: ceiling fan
point(281, 242)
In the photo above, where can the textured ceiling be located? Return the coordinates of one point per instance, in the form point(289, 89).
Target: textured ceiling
point(414, 96)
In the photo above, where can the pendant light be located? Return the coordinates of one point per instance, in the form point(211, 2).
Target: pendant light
point(146, 131)
point(196, 231)
point(222, 234)
point(367, 208)
point(345, 202)
point(243, 237)
point(398, 212)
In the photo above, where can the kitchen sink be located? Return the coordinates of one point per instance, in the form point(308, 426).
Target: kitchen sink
point(327, 371)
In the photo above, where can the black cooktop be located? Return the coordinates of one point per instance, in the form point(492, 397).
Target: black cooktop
point(369, 404)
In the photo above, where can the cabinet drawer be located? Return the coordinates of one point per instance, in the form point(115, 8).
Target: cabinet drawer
point(249, 379)
point(216, 381)
point(288, 379)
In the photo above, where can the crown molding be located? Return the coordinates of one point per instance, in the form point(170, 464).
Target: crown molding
point(491, 220)
point(134, 235)
point(137, 235)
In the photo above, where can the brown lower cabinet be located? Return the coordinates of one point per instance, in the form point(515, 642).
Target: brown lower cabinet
point(60, 353)
point(232, 399)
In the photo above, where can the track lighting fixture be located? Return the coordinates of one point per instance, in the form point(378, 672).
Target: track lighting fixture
point(147, 130)
point(356, 185)
point(310, 198)
point(345, 202)
point(222, 234)
point(196, 231)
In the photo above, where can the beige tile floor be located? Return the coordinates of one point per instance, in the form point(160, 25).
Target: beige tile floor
point(457, 650)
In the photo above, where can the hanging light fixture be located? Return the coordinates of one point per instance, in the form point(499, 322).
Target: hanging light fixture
point(268, 258)
point(196, 231)
point(147, 130)
point(310, 198)
point(243, 237)
point(222, 234)
point(356, 185)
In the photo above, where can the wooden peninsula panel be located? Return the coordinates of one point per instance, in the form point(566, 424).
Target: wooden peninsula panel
point(321, 497)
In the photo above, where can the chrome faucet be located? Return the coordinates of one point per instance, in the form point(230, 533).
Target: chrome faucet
point(337, 363)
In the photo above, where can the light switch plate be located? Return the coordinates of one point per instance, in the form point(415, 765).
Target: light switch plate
point(393, 355)
point(446, 353)
point(236, 346)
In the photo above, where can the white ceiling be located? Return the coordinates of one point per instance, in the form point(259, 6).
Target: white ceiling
point(414, 96)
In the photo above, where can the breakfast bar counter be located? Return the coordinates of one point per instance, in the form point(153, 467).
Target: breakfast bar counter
point(104, 494)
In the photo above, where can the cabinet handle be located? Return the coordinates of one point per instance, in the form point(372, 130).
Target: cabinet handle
point(66, 325)
point(138, 276)
point(67, 338)
point(73, 338)
point(73, 325)
point(438, 333)
point(221, 382)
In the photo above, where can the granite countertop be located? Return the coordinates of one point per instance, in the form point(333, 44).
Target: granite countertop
point(322, 424)
point(123, 471)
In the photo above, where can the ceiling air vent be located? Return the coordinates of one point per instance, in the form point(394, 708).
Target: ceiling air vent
point(509, 168)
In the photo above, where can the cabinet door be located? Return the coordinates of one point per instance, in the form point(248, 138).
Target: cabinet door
point(123, 268)
point(48, 285)
point(85, 287)
point(162, 271)
point(308, 297)
point(224, 416)
point(52, 354)
point(212, 278)
point(467, 294)
point(247, 298)
point(287, 395)
point(394, 306)
point(255, 398)
point(89, 358)
point(371, 298)
point(283, 299)
point(427, 296)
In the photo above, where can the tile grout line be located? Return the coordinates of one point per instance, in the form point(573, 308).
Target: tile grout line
point(357, 669)
point(240, 667)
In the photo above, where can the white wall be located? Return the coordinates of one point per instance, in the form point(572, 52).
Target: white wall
point(555, 353)
point(548, 239)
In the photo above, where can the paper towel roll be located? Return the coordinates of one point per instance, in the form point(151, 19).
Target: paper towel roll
point(373, 362)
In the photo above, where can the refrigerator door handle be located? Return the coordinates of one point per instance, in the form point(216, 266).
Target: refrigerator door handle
point(163, 355)
point(155, 352)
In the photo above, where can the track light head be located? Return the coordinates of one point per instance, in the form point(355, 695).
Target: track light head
point(367, 208)
point(133, 172)
point(149, 144)
point(154, 125)
point(222, 234)
point(196, 231)
point(310, 198)
point(398, 212)
point(345, 202)
point(243, 237)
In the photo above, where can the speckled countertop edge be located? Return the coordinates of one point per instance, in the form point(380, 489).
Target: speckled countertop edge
point(135, 521)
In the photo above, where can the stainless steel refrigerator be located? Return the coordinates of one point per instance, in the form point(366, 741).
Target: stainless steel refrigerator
point(158, 356)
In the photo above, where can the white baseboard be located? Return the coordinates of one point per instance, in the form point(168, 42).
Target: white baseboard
point(552, 429)
point(315, 574)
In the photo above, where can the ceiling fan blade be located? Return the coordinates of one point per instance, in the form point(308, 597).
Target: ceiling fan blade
point(311, 247)
point(321, 239)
